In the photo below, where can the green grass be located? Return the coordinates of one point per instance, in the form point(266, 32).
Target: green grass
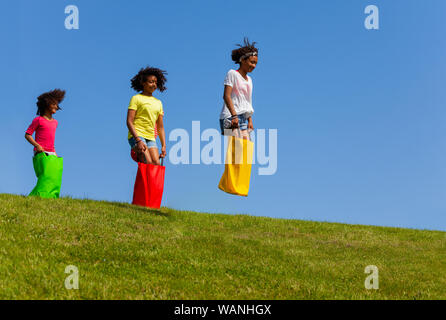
point(128, 252)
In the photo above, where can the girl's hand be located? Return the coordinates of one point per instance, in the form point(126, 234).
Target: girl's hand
point(234, 122)
point(140, 146)
point(163, 152)
point(39, 149)
point(250, 126)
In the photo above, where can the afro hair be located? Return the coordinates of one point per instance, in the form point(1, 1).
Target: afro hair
point(55, 96)
point(138, 80)
point(246, 48)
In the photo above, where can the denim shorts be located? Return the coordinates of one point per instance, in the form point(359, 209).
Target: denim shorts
point(242, 123)
point(149, 143)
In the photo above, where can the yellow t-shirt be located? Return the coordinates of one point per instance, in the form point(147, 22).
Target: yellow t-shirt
point(147, 111)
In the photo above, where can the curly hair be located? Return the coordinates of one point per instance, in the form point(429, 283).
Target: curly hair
point(55, 96)
point(244, 49)
point(138, 80)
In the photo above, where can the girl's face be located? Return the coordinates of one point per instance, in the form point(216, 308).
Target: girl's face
point(151, 84)
point(53, 108)
point(249, 64)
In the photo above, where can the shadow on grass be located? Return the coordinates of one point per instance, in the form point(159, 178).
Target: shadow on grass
point(138, 208)
point(102, 203)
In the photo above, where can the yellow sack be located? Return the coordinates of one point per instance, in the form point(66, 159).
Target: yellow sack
point(235, 179)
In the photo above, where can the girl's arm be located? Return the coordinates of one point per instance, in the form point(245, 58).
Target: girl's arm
point(130, 120)
point(31, 140)
point(250, 124)
point(162, 134)
point(230, 105)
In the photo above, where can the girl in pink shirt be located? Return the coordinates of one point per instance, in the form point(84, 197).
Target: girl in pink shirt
point(45, 125)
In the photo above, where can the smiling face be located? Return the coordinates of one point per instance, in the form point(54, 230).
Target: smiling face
point(249, 64)
point(151, 84)
point(53, 107)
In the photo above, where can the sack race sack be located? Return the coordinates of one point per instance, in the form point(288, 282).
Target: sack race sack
point(238, 163)
point(149, 185)
point(48, 169)
point(133, 155)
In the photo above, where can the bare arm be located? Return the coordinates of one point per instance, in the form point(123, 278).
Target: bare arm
point(250, 124)
point(31, 140)
point(230, 105)
point(228, 100)
point(130, 120)
point(162, 134)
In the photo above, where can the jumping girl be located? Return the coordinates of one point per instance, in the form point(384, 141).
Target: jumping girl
point(45, 125)
point(145, 113)
point(237, 108)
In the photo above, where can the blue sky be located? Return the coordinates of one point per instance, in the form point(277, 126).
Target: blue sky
point(359, 113)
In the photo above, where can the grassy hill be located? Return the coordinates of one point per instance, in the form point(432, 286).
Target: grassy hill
point(128, 252)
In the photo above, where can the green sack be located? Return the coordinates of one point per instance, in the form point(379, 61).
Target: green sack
point(48, 169)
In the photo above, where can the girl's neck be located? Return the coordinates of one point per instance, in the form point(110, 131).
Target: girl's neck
point(243, 73)
point(48, 116)
point(147, 93)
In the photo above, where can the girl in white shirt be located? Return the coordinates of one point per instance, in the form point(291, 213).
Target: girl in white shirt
point(237, 108)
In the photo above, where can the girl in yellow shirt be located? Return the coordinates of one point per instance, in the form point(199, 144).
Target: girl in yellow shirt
point(144, 113)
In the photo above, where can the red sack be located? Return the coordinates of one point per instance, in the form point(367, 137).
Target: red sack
point(133, 155)
point(149, 185)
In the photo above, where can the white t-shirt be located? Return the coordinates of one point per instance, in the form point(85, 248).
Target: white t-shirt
point(241, 94)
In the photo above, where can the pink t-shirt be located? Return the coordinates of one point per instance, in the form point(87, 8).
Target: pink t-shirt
point(45, 132)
